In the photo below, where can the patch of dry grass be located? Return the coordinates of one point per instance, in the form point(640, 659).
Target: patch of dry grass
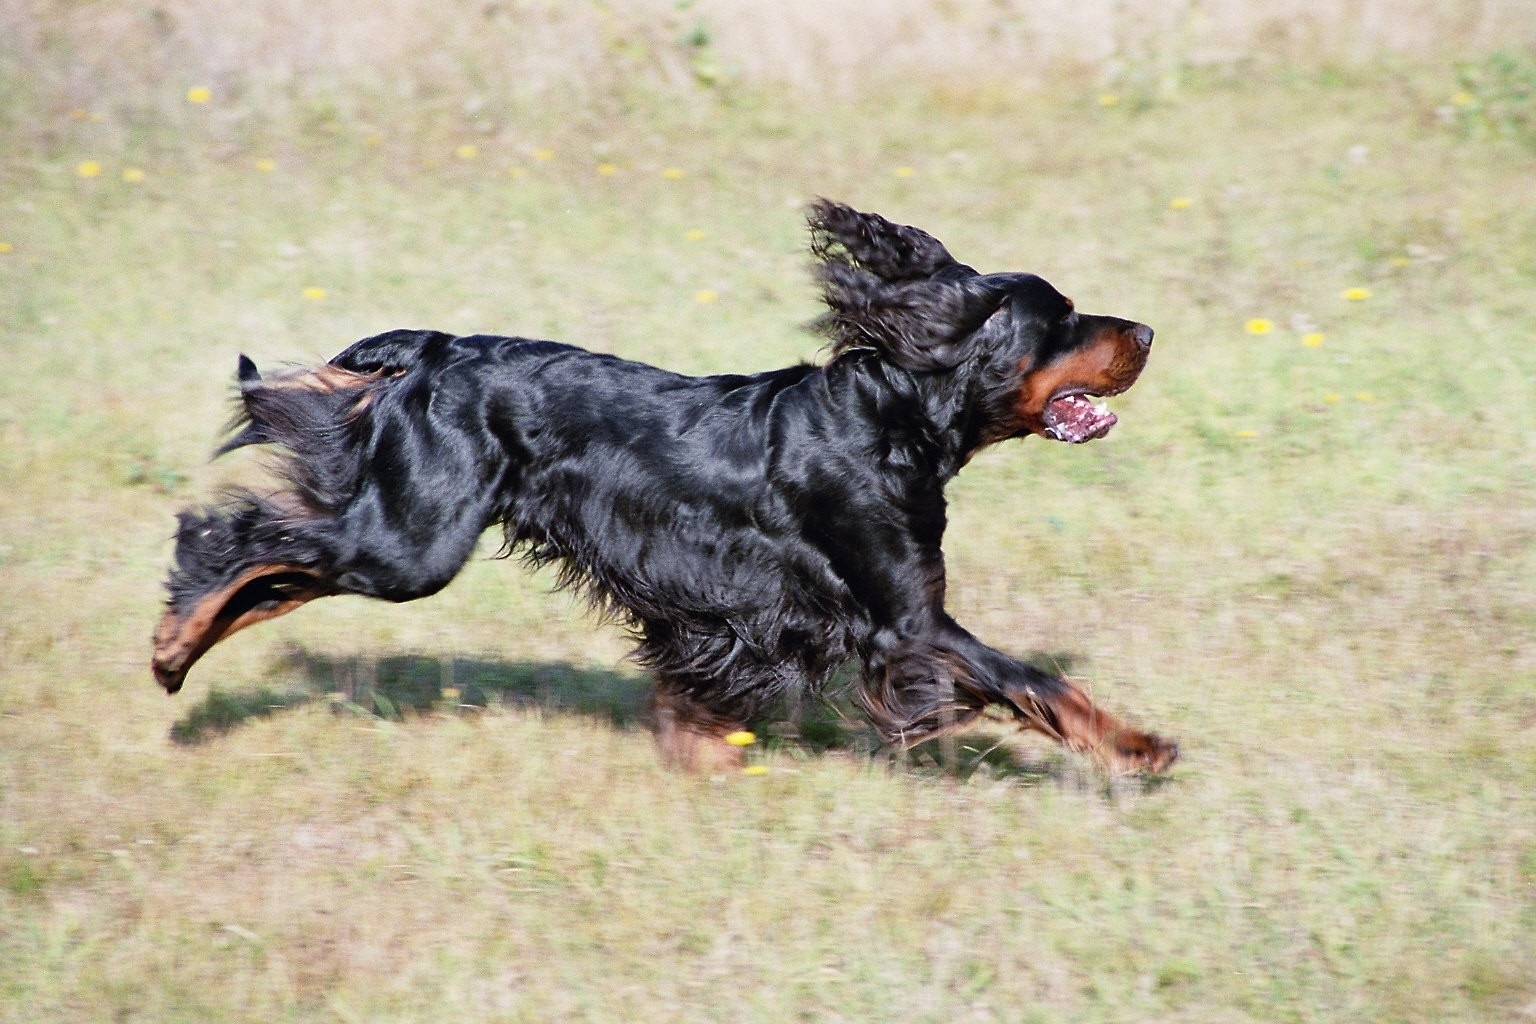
point(1313, 564)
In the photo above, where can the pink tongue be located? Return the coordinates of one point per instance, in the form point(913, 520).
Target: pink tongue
point(1075, 419)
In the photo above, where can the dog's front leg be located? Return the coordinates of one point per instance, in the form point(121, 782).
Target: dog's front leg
point(924, 682)
point(1058, 708)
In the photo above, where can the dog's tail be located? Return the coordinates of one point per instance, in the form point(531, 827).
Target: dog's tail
point(316, 413)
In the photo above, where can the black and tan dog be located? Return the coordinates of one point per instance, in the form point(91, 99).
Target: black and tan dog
point(757, 532)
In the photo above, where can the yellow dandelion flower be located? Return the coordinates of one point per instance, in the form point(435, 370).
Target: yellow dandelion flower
point(6, 247)
point(904, 172)
point(674, 173)
point(88, 169)
point(199, 94)
point(1355, 294)
point(1180, 203)
point(755, 769)
point(1247, 435)
point(1333, 398)
point(1108, 99)
point(741, 738)
point(1462, 99)
point(1399, 262)
point(1364, 396)
point(1312, 339)
point(517, 172)
point(467, 152)
point(133, 175)
point(705, 295)
point(1259, 325)
point(314, 294)
point(266, 165)
point(694, 235)
point(544, 154)
point(451, 694)
point(607, 170)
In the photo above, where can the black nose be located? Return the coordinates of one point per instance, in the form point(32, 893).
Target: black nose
point(1144, 337)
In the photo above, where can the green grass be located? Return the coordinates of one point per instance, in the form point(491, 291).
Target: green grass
point(1313, 565)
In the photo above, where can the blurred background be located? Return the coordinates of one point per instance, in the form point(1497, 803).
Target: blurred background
point(421, 57)
point(1307, 550)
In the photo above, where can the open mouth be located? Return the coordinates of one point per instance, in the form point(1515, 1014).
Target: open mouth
point(1075, 418)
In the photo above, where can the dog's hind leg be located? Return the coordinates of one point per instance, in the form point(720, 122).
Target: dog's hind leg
point(381, 501)
point(253, 561)
point(205, 610)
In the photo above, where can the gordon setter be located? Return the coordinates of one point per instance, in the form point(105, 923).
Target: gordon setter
point(756, 532)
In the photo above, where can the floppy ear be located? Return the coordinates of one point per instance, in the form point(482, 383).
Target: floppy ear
point(869, 242)
point(919, 326)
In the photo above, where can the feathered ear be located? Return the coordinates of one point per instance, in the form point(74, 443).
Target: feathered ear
point(897, 290)
point(869, 242)
point(919, 326)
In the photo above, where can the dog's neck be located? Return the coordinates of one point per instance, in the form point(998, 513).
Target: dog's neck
point(927, 420)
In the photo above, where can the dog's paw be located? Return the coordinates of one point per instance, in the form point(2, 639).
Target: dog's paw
point(1135, 752)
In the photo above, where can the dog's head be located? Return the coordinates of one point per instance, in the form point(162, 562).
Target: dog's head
point(1038, 363)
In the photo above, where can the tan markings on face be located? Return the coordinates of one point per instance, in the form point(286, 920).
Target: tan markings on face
point(1107, 364)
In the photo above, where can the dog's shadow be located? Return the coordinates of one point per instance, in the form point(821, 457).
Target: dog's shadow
point(402, 685)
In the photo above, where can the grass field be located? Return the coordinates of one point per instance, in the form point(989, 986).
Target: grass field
point(1308, 551)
